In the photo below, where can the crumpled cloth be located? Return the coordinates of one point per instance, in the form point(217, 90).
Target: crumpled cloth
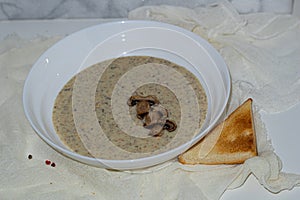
point(23, 178)
point(260, 49)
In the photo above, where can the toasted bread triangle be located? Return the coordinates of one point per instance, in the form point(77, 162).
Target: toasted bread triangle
point(231, 142)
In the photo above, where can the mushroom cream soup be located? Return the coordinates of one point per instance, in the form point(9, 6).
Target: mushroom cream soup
point(110, 109)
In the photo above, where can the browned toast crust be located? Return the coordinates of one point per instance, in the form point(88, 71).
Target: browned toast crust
point(236, 141)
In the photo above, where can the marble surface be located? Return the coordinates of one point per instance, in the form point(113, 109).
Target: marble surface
point(74, 9)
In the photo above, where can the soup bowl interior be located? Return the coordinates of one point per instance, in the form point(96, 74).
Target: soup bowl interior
point(89, 46)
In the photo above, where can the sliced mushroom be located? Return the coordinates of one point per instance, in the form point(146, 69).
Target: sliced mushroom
point(156, 130)
point(157, 121)
point(170, 126)
point(133, 100)
point(157, 115)
point(154, 115)
point(142, 104)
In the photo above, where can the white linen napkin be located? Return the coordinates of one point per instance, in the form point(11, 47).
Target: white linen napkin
point(23, 178)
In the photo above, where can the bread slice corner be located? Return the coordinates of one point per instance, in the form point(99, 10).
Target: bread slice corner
point(231, 142)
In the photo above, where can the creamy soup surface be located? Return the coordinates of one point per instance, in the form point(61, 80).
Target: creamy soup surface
point(90, 112)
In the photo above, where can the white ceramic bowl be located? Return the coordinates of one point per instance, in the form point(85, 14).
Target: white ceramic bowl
point(111, 40)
